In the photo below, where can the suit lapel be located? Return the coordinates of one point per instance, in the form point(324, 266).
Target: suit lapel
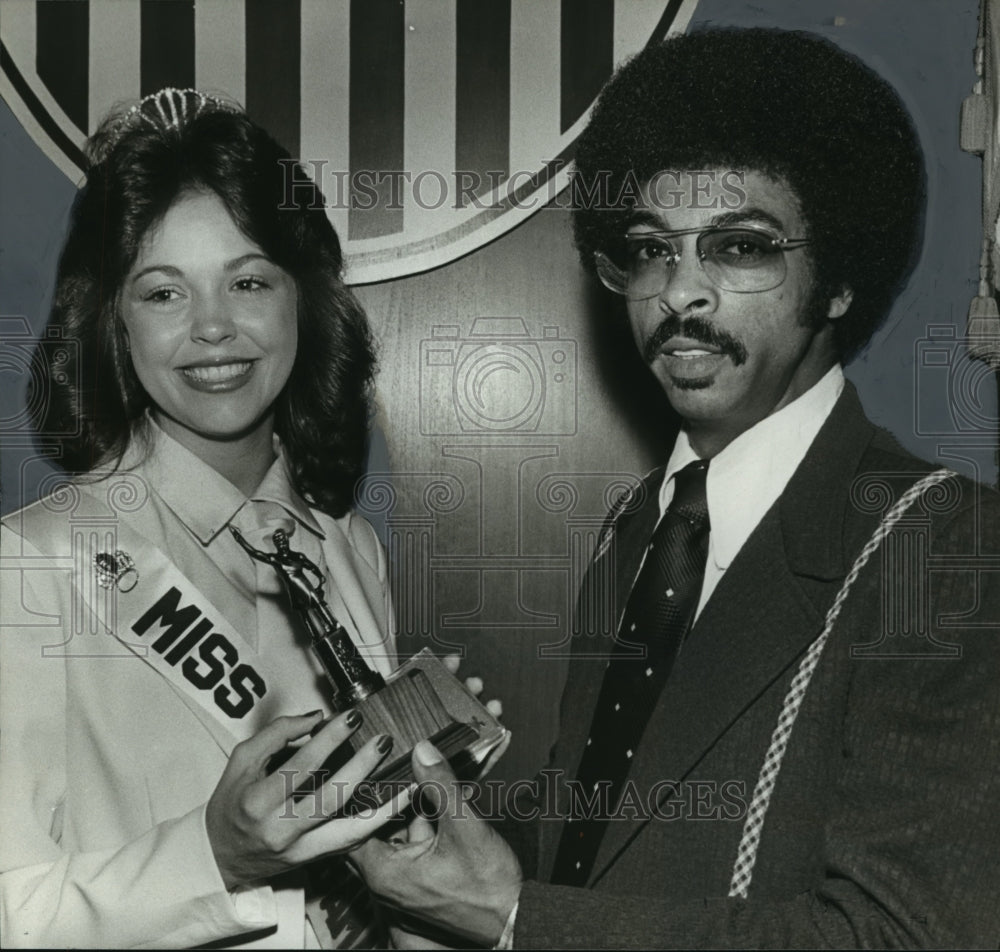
point(754, 626)
point(760, 618)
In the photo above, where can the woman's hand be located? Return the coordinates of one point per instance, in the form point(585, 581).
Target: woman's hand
point(257, 828)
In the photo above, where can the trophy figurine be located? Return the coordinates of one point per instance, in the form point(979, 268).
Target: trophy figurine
point(420, 700)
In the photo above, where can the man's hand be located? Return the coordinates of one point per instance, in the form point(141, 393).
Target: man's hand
point(257, 827)
point(461, 876)
point(474, 686)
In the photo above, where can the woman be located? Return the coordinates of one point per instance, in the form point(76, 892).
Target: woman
point(148, 667)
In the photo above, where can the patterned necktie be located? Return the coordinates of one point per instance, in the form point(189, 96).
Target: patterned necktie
point(659, 613)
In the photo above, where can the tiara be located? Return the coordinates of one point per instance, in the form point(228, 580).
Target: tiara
point(169, 108)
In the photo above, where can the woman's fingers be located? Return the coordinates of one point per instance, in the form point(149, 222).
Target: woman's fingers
point(345, 833)
point(260, 824)
point(311, 756)
point(331, 796)
point(254, 753)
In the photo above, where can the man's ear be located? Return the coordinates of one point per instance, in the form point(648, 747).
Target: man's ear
point(840, 303)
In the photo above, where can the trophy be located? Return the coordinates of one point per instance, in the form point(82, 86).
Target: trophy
point(420, 700)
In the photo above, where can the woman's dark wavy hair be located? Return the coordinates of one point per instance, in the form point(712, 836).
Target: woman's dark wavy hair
point(791, 105)
point(138, 169)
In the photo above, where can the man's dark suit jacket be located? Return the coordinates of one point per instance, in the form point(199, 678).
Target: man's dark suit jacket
point(884, 828)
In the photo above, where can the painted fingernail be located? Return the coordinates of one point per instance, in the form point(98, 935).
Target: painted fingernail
point(384, 744)
point(354, 718)
point(312, 713)
point(426, 753)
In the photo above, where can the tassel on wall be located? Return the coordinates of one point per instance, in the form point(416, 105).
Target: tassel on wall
point(976, 131)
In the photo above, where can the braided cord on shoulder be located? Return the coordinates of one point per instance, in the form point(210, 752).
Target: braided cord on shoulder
point(746, 856)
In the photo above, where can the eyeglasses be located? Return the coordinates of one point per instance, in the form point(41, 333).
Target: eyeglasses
point(742, 259)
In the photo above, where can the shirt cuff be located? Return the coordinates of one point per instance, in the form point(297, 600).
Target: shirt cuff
point(506, 940)
point(251, 907)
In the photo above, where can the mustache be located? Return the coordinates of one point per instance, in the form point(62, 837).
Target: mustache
point(694, 329)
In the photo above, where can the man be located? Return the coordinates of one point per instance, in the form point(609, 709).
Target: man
point(757, 199)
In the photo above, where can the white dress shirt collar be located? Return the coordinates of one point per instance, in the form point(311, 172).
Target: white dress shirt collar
point(203, 499)
point(749, 475)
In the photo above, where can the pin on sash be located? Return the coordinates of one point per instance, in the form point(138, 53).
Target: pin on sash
point(116, 570)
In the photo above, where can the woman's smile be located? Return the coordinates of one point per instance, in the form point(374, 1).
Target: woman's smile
point(212, 326)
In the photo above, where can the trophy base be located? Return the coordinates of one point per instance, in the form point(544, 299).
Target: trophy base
point(422, 700)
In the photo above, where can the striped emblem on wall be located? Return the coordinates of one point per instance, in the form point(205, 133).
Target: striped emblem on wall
point(433, 126)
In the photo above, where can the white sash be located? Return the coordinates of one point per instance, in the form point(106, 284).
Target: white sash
point(160, 615)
